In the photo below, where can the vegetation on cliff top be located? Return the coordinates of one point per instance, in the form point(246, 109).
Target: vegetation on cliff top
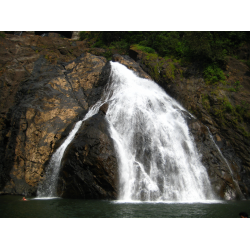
point(206, 46)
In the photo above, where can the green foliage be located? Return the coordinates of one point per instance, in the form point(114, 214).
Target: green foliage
point(2, 34)
point(218, 112)
point(224, 82)
point(227, 105)
point(120, 45)
point(144, 48)
point(243, 131)
point(98, 44)
point(228, 114)
point(206, 47)
point(237, 86)
point(108, 55)
point(213, 74)
point(243, 108)
point(215, 93)
point(83, 35)
point(240, 110)
point(168, 43)
point(170, 70)
point(199, 45)
point(236, 114)
point(205, 102)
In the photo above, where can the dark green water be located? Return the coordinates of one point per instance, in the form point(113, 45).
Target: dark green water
point(13, 207)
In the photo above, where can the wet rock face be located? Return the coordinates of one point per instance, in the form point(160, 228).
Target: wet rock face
point(224, 183)
point(89, 165)
point(130, 64)
point(40, 103)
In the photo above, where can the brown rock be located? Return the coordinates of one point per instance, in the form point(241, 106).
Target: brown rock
point(39, 105)
point(89, 166)
point(104, 108)
point(130, 64)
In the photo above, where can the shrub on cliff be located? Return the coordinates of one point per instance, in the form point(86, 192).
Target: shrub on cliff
point(243, 109)
point(168, 43)
point(144, 48)
point(227, 105)
point(213, 74)
point(120, 45)
point(200, 46)
point(83, 35)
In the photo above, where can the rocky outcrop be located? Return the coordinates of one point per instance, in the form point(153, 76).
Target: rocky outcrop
point(223, 180)
point(130, 64)
point(89, 165)
point(41, 101)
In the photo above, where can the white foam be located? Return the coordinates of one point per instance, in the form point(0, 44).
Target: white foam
point(45, 198)
point(167, 202)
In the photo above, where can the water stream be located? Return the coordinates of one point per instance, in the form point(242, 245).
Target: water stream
point(228, 166)
point(157, 157)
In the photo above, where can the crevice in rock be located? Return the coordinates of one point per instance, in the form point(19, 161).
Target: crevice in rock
point(76, 99)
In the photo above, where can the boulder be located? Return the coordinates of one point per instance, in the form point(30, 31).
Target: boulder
point(89, 166)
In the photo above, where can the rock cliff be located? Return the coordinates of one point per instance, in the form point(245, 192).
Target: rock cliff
point(41, 100)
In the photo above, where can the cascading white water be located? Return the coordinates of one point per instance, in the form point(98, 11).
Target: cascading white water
point(157, 157)
point(156, 154)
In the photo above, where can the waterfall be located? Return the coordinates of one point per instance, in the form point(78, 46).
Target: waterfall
point(157, 157)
